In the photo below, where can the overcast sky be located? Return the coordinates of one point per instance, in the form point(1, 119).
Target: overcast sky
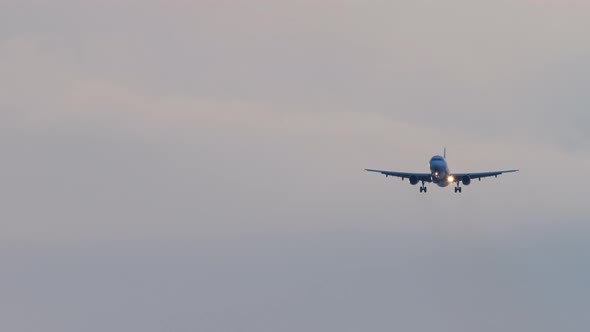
point(198, 165)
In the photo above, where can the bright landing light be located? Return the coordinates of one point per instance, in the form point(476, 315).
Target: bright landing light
point(451, 178)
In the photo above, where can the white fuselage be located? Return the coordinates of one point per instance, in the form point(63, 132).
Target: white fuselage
point(440, 171)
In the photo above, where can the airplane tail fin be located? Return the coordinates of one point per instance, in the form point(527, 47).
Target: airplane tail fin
point(445, 153)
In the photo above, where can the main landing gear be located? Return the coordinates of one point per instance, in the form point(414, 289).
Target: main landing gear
point(457, 188)
point(423, 189)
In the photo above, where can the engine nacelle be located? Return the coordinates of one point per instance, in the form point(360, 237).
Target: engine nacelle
point(413, 180)
point(466, 180)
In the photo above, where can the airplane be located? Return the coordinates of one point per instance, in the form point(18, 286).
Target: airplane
point(440, 174)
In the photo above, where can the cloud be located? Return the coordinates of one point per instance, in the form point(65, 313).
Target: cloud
point(200, 164)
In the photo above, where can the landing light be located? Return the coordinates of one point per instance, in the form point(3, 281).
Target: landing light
point(451, 178)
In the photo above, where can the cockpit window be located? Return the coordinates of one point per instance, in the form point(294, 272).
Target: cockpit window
point(437, 158)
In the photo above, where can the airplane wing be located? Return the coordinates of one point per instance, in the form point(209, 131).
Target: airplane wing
point(426, 177)
point(471, 176)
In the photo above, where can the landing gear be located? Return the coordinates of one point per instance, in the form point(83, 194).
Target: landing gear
point(423, 189)
point(457, 188)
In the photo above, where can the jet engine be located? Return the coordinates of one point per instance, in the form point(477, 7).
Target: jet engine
point(413, 179)
point(466, 180)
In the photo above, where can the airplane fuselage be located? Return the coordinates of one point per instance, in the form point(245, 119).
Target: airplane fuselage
point(440, 171)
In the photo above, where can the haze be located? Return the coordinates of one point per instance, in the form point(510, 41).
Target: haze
point(198, 165)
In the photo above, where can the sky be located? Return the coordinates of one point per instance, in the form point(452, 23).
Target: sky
point(198, 165)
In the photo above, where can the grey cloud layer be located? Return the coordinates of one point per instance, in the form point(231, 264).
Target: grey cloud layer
point(198, 165)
